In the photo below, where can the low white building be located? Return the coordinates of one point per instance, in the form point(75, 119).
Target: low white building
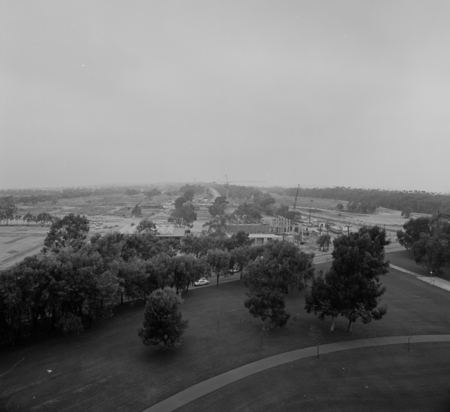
point(263, 238)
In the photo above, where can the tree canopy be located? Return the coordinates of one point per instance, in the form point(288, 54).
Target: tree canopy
point(352, 287)
point(70, 231)
point(163, 322)
point(184, 215)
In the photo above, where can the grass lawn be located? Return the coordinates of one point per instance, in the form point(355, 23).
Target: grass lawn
point(405, 260)
point(108, 368)
point(387, 378)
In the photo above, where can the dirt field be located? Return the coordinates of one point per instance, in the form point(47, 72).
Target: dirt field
point(106, 214)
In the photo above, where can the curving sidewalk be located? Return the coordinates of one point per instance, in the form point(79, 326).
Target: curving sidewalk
point(210, 385)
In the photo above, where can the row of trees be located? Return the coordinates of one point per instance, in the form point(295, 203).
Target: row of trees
point(9, 213)
point(76, 281)
point(429, 241)
point(361, 207)
point(239, 192)
point(34, 196)
point(417, 201)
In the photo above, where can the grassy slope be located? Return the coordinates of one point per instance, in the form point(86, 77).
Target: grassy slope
point(108, 368)
point(386, 378)
point(405, 260)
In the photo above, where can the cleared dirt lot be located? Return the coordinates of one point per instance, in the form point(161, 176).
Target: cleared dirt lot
point(18, 242)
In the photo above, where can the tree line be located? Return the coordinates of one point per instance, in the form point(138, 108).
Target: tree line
point(10, 213)
point(417, 201)
point(77, 281)
point(34, 196)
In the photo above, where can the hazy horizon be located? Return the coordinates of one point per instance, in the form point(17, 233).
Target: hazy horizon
point(321, 94)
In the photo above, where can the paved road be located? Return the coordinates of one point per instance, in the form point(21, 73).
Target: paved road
point(213, 384)
point(214, 192)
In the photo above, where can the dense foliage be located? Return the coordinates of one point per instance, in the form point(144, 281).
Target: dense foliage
point(352, 287)
point(163, 322)
point(429, 241)
point(275, 269)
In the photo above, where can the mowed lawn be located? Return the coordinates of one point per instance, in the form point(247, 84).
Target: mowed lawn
point(108, 368)
point(405, 260)
point(387, 378)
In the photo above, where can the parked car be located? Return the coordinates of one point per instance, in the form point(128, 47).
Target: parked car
point(201, 282)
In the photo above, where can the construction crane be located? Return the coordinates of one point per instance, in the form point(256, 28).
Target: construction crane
point(227, 184)
point(296, 197)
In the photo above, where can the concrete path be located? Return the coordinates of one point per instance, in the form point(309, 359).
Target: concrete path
point(432, 280)
point(210, 385)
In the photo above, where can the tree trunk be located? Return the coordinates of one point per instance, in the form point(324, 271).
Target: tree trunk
point(332, 324)
point(217, 279)
point(350, 324)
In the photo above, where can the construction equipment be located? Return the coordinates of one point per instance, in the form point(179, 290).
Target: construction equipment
point(227, 184)
point(296, 197)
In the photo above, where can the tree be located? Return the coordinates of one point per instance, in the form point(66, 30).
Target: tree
point(189, 195)
point(267, 304)
point(323, 299)
point(432, 252)
point(152, 193)
point(340, 207)
point(324, 241)
point(217, 210)
point(352, 286)
point(199, 245)
point(137, 211)
point(186, 270)
point(28, 217)
point(163, 323)
point(266, 202)
point(239, 258)
point(146, 225)
point(275, 269)
point(8, 212)
point(406, 212)
point(184, 216)
point(413, 229)
point(70, 231)
point(249, 213)
point(219, 262)
point(179, 202)
point(282, 266)
point(217, 226)
point(238, 239)
point(219, 200)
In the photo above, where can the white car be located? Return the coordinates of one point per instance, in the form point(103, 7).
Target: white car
point(201, 282)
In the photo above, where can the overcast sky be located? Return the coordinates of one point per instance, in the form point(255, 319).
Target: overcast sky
point(321, 93)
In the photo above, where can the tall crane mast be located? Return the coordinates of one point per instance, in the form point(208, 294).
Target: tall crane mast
point(296, 197)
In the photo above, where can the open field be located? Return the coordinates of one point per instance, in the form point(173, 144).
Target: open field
point(18, 242)
point(108, 368)
point(109, 212)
